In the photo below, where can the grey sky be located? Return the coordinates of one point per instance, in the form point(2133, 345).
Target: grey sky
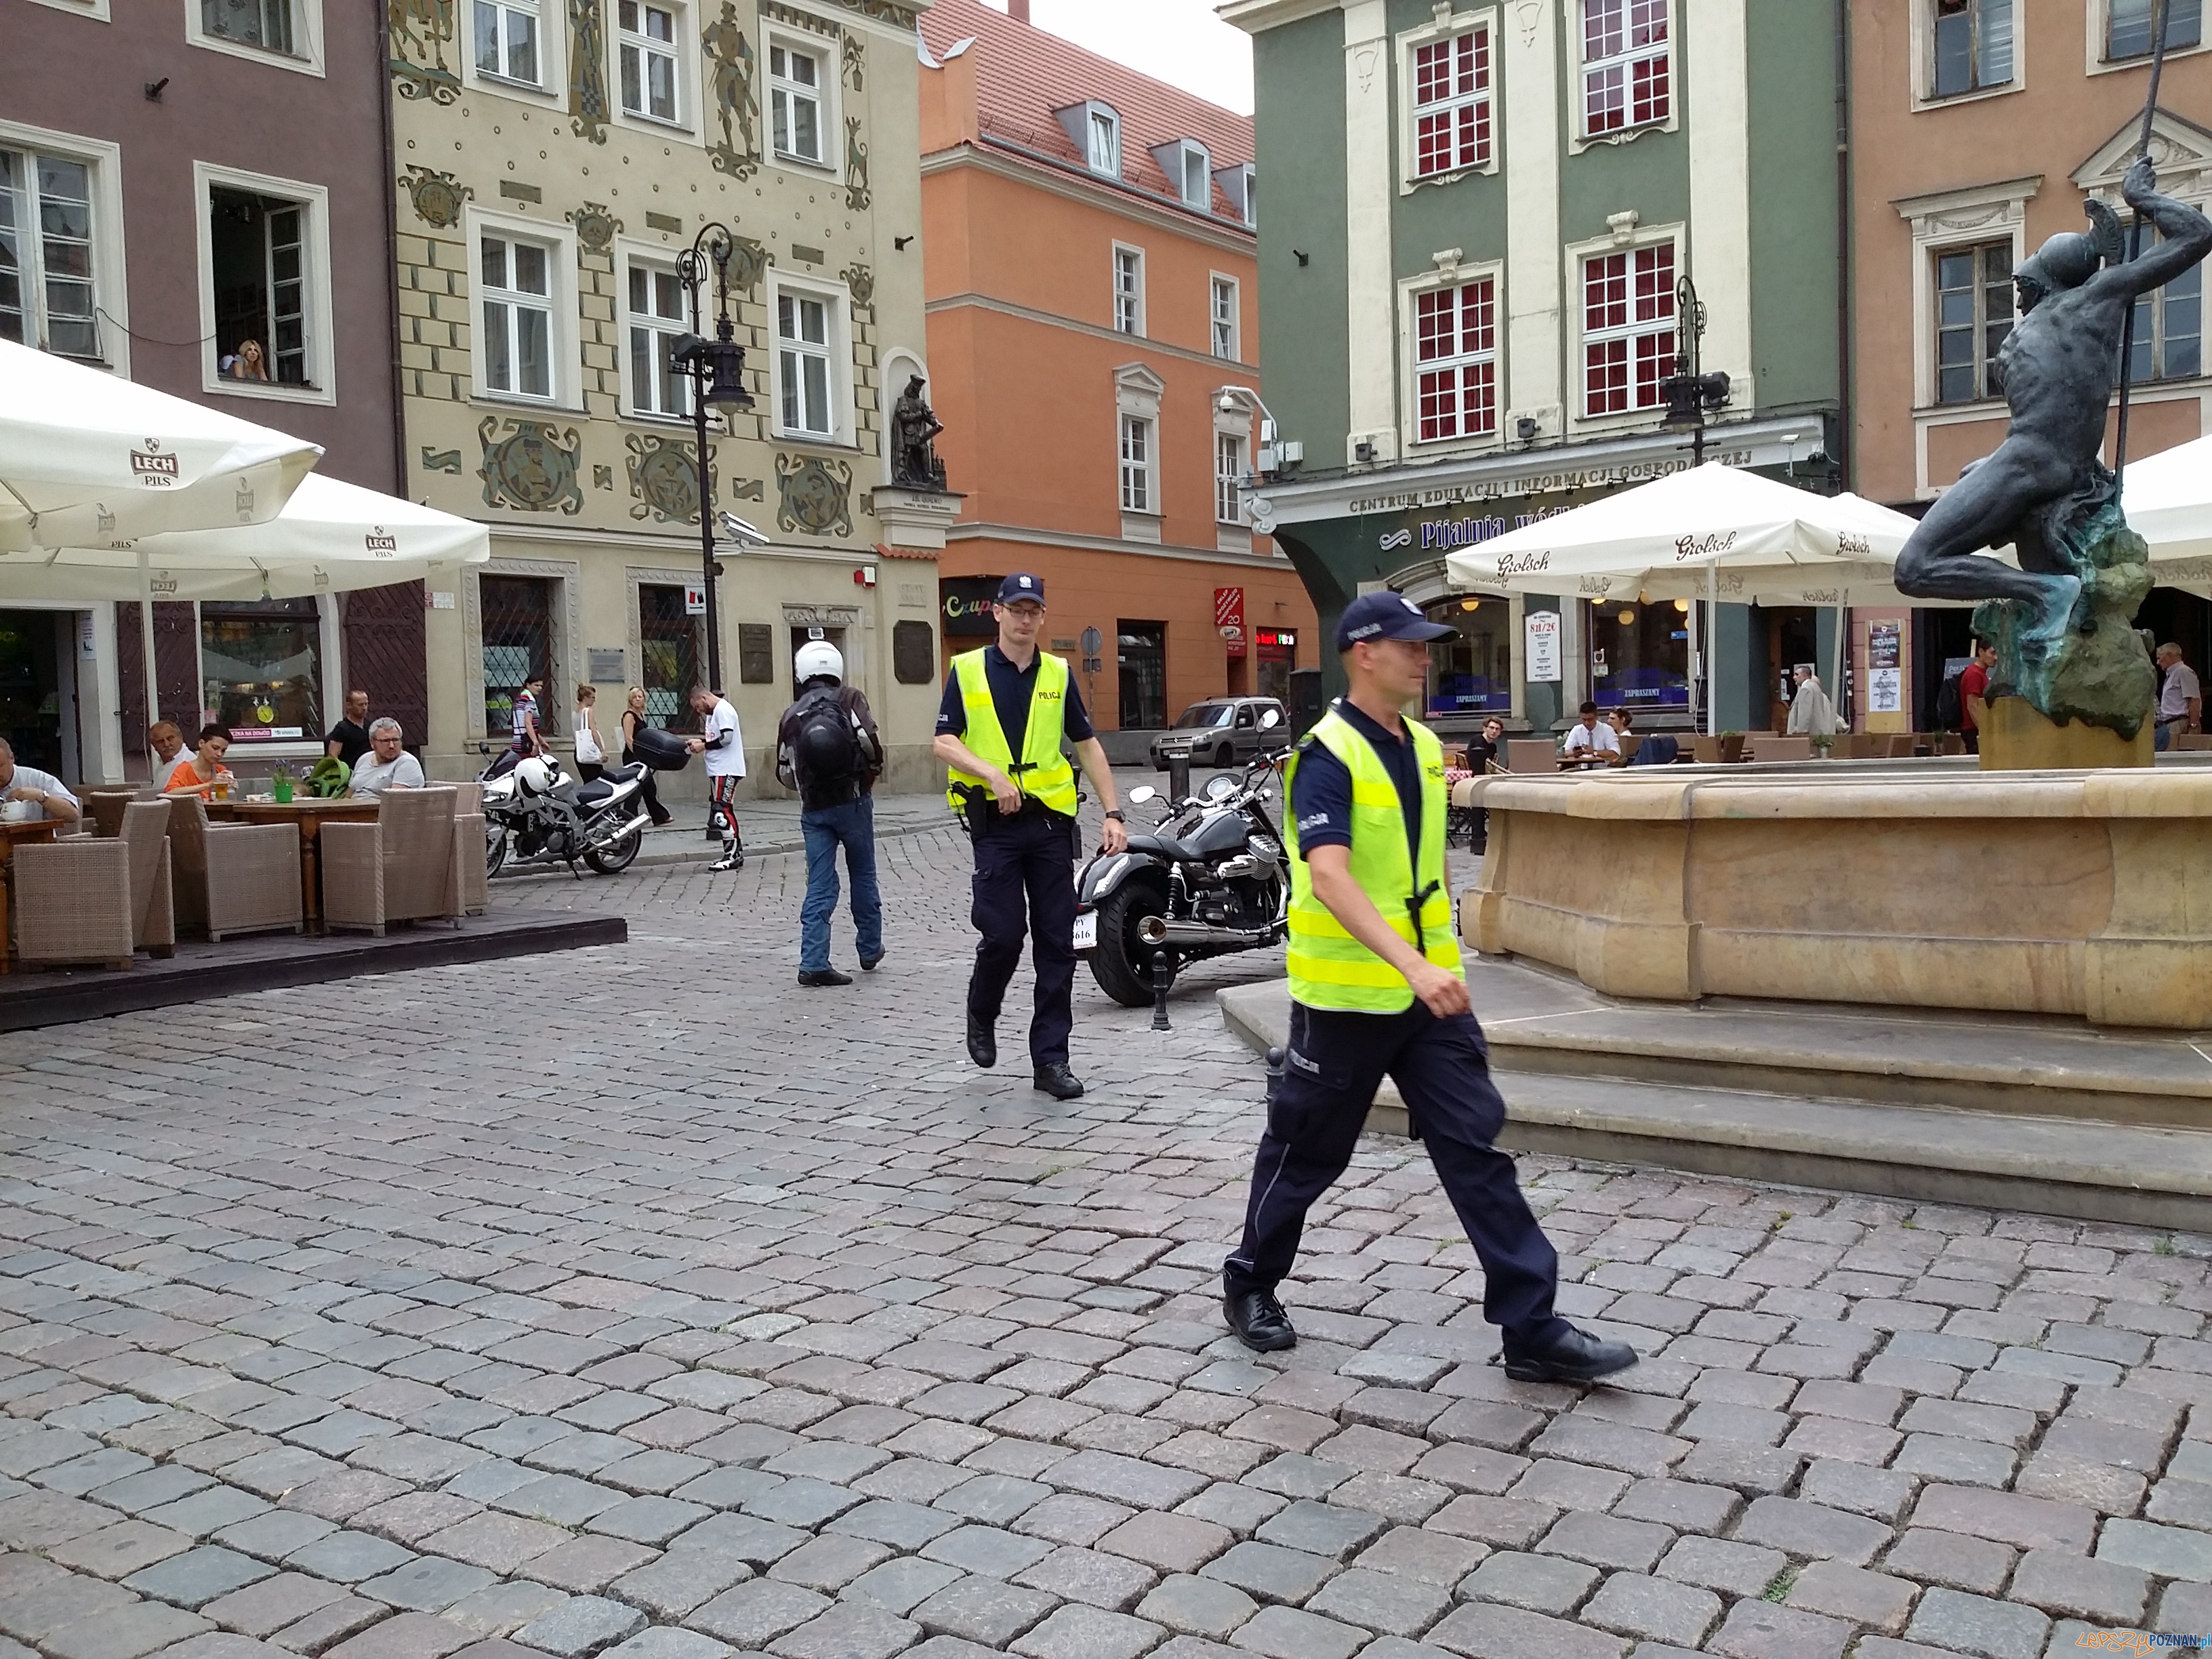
point(1179, 41)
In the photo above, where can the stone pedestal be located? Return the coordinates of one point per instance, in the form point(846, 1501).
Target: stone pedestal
point(916, 518)
point(2017, 737)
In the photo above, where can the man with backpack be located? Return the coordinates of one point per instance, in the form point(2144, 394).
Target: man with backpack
point(1964, 694)
point(828, 750)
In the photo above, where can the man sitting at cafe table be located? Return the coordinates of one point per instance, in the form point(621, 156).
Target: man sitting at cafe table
point(27, 783)
point(1588, 739)
point(386, 766)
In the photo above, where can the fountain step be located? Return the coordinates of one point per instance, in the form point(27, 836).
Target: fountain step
point(1867, 1101)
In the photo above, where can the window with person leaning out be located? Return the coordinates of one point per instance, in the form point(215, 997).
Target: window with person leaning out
point(1592, 737)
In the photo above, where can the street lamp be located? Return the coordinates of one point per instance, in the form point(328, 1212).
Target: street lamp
point(716, 369)
point(1690, 395)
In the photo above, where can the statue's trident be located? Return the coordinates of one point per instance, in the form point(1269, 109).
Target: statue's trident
point(2158, 19)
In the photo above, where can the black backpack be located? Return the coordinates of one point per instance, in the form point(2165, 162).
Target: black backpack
point(1950, 708)
point(825, 747)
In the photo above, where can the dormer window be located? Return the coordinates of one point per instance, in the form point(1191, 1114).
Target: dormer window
point(1189, 170)
point(1240, 185)
point(1095, 129)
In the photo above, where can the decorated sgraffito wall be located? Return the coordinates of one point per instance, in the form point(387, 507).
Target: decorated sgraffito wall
point(547, 178)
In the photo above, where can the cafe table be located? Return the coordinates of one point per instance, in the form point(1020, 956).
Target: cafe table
point(13, 835)
point(308, 814)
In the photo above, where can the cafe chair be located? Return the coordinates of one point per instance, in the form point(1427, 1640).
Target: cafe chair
point(104, 806)
point(73, 903)
point(233, 878)
point(469, 853)
point(405, 866)
point(1768, 747)
point(1532, 755)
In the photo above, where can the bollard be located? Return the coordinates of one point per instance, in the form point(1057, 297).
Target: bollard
point(1178, 779)
point(1278, 1061)
point(1163, 977)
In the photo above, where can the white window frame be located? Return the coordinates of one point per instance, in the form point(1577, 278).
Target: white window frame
point(563, 346)
point(1099, 118)
point(824, 93)
point(318, 315)
point(1217, 286)
point(1450, 274)
point(1922, 18)
point(1138, 391)
point(1449, 26)
point(1240, 184)
point(683, 52)
point(111, 289)
point(1942, 223)
point(1577, 390)
point(1578, 85)
point(838, 300)
point(655, 260)
point(1134, 302)
point(1178, 160)
point(1139, 471)
point(1232, 535)
point(305, 57)
point(95, 9)
point(549, 53)
point(1228, 483)
point(2098, 15)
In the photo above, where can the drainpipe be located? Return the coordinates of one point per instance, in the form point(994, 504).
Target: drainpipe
point(380, 46)
point(1845, 449)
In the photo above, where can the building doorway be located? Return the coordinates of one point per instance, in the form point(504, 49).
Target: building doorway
point(1942, 643)
point(1278, 660)
point(1789, 635)
point(2179, 618)
point(1144, 676)
point(32, 700)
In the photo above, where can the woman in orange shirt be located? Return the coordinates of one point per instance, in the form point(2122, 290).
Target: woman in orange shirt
point(197, 773)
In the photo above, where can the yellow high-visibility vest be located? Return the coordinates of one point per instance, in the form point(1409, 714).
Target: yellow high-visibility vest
point(1329, 969)
point(1044, 773)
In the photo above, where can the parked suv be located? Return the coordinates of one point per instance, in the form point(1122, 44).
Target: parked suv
point(1220, 731)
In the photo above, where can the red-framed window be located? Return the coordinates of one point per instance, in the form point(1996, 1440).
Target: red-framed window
point(1456, 359)
point(1628, 328)
point(1451, 104)
point(1627, 72)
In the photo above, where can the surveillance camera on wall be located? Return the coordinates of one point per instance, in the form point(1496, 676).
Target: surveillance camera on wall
point(737, 530)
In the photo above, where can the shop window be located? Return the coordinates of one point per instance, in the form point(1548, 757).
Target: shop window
point(259, 247)
point(2169, 331)
point(1144, 676)
point(1973, 315)
point(1451, 104)
point(668, 642)
point(1278, 661)
point(261, 669)
point(517, 615)
point(1472, 672)
point(1455, 354)
point(46, 291)
point(1628, 328)
point(1627, 80)
point(1639, 656)
point(2128, 27)
point(1972, 46)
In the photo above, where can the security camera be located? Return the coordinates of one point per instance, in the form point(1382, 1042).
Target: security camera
point(737, 530)
point(1228, 404)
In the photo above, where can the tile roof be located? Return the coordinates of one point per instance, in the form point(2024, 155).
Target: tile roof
point(1024, 74)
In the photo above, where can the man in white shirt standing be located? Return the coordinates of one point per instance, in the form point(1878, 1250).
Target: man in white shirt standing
point(2180, 700)
point(1588, 737)
point(724, 748)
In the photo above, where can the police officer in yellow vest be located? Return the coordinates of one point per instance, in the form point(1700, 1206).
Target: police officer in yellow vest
point(1376, 990)
point(1006, 700)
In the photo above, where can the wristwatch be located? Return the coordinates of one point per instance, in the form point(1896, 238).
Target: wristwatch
point(1118, 816)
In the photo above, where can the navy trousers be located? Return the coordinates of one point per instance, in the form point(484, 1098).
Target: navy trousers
point(1442, 1067)
point(1025, 882)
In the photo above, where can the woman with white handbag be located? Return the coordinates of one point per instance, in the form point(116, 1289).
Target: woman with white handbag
point(590, 753)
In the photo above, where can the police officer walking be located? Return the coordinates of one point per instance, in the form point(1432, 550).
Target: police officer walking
point(1376, 990)
point(1012, 699)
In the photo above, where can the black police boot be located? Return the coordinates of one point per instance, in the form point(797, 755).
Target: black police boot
point(823, 976)
point(982, 1044)
point(1056, 1080)
point(1572, 1356)
point(1258, 1320)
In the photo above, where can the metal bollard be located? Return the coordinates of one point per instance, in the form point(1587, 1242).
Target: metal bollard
point(1163, 977)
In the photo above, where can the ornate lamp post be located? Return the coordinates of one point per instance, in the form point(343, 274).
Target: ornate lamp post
point(1691, 397)
point(716, 369)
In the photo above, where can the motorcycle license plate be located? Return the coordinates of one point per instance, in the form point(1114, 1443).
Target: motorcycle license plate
point(1086, 931)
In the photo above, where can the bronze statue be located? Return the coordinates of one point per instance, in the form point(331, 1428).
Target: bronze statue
point(914, 464)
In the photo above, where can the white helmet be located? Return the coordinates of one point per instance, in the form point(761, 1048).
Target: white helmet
point(534, 776)
point(816, 658)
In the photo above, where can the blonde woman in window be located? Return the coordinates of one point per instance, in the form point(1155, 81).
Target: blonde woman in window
point(247, 364)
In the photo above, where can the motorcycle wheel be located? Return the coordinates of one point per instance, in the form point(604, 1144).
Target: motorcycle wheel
point(1121, 964)
point(494, 853)
point(613, 860)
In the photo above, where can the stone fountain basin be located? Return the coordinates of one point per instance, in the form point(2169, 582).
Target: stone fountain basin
point(1904, 883)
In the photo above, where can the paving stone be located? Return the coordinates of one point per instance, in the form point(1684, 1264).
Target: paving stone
point(1977, 1462)
point(1542, 1583)
point(349, 1556)
point(430, 1583)
point(404, 1636)
point(661, 1642)
point(1810, 1530)
point(2064, 1583)
point(266, 1607)
point(124, 1633)
point(272, 1535)
point(900, 1586)
point(1653, 1610)
point(1322, 1529)
point(989, 1612)
point(1081, 1632)
point(827, 1564)
point(119, 1551)
point(1270, 1572)
point(1722, 1564)
point(500, 1609)
point(754, 1613)
point(2165, 1552)
point(1281, 1633)
point(1387, 1602)
point(1854, 1595)
point(1483, 1632)
point(1507, 1522)
point(675, 1584)
point(848, 1630)
point(2024, 1522)
point(1177, 1543)
point(1944, 1558)
point(1088, 1577)
point(1761, 1630)
point(198, 1577)
point(586, 1566)
point(1976, 1624)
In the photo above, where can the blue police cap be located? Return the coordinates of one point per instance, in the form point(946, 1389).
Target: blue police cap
point(1020, 586)
point(1385, 616)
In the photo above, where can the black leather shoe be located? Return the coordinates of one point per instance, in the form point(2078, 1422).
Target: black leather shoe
point(868, 963)
point(982, 1045)
point(1058, 1081)
point(823, 976)
point(1259, 1320)
point(1572, 1357)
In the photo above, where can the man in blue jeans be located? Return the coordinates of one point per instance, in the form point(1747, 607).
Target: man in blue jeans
point(828, 750)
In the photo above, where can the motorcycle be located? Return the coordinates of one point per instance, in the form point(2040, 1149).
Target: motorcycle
point(1210, 880)
point(535, 813)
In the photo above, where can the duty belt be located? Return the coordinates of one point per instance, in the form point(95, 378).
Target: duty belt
point(1413, 907)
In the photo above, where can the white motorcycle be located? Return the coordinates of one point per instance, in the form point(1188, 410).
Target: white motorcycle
point(535, 813)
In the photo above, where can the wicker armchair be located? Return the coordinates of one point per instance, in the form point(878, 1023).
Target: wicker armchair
point(404, 867)
point(153, 903)
point(469, 851)
point(104, 806)
point(233, 878)
point(73, 901)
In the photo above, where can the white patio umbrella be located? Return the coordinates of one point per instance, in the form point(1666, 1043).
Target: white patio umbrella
point(2168, 500)
point(86, 456)
point(1708, 532)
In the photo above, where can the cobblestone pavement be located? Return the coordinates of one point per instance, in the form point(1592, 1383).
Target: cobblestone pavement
point(638, 1297)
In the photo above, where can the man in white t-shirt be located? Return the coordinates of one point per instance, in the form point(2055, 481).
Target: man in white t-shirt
point(1588, 737)
point(386, 766)
point(723, 747)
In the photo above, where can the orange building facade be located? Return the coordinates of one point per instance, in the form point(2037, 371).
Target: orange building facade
point(1090, 263)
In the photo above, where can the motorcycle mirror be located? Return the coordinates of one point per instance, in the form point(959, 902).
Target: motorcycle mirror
point(1220, 787)
point(1141, 794)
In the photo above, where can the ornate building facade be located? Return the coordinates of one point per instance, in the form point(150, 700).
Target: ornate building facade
point(554, 159)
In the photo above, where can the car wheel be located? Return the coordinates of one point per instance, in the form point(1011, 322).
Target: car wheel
point(1224, 756)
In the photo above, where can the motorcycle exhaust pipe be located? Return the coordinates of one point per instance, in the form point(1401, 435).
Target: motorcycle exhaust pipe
point(1159, 930)
point(624, 833)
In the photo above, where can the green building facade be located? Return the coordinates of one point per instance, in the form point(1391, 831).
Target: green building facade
point(1477, 218)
